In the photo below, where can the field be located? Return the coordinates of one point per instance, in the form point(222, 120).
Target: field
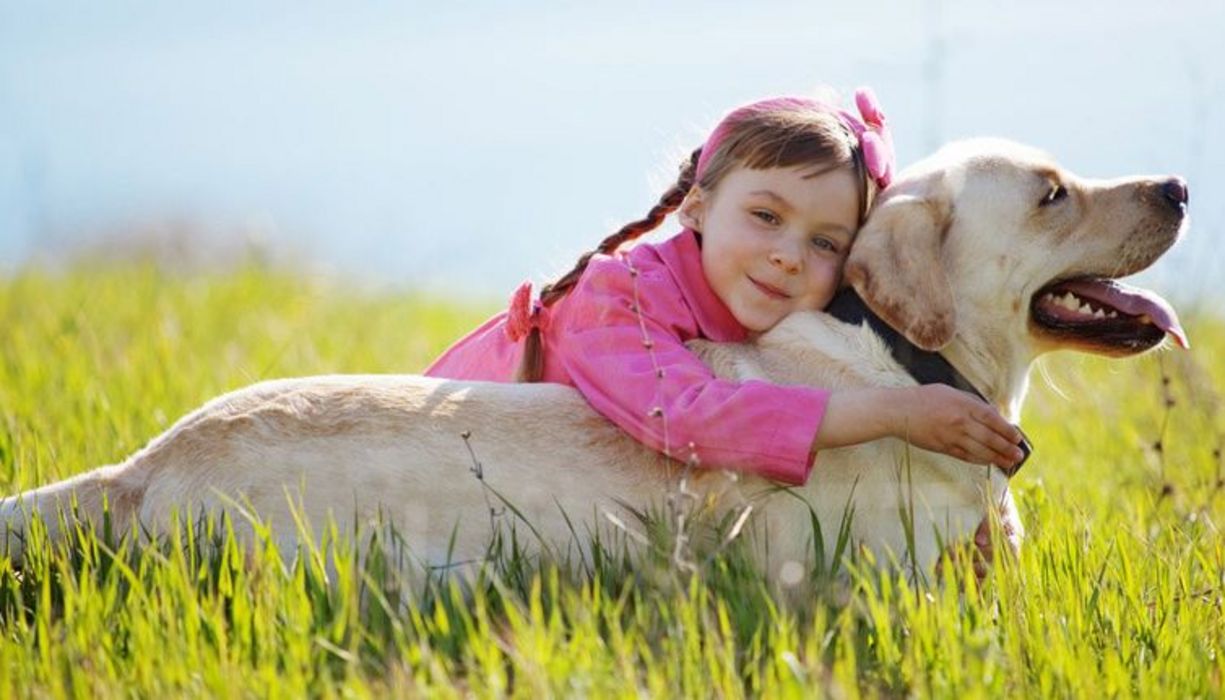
point(1118, 591)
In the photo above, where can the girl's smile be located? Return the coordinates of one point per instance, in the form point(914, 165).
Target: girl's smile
point(770, 290)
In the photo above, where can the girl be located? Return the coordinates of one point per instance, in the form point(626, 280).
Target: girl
point(769, 204)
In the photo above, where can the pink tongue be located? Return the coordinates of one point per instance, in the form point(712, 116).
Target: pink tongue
point(1133, 301)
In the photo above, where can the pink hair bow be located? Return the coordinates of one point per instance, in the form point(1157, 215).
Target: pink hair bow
point(525, 313)
point(870, 129)
point(875, 139)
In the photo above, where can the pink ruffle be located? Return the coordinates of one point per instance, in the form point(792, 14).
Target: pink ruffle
point(525, 313)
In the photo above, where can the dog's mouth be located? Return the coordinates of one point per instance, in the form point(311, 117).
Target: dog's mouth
point(1106, 315)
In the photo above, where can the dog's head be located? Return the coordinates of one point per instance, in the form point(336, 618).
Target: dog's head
point(993, 240)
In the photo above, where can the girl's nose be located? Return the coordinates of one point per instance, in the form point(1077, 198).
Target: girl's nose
point(785, 259)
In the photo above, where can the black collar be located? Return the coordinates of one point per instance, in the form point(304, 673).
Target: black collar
point(925, 366)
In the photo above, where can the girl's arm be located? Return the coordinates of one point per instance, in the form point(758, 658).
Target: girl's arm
point(664, 395)
point(668, 399)
point(934, 417)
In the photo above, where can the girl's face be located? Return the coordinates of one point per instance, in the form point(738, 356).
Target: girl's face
point(774, 240)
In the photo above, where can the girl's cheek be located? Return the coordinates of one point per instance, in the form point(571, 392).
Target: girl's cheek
point(825, 276)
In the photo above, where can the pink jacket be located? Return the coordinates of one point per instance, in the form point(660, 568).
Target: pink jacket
point(593, 340)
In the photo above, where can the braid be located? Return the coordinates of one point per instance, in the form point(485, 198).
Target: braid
point(532, 367)
point(668, 203)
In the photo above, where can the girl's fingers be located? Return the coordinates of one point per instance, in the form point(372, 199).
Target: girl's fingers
point(976, 451)
point(998, 425)
point(995, 448)
point(975, 448)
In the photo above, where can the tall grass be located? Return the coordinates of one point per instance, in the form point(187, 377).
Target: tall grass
point(1118, 590)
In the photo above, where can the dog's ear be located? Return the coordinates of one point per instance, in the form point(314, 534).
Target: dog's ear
point(895, 266)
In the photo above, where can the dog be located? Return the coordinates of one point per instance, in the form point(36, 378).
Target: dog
point(986, 254)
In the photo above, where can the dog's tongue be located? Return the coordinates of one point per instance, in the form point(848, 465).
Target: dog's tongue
point(1133, 301)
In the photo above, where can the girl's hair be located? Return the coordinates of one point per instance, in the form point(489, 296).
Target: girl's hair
point(798, 134)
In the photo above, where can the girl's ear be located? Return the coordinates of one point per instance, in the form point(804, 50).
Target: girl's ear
point(692, 209)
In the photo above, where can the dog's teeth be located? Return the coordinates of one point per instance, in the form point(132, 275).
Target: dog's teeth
point(1099, 314)
point(1112, 315)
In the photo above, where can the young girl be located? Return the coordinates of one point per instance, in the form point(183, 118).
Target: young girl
point(770, 204)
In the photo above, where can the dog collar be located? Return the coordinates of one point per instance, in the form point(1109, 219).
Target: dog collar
point(925, 366)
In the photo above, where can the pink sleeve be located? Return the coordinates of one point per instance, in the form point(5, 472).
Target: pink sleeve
point(754, 426)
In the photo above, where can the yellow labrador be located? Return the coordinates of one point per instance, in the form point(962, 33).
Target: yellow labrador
point(987, 252)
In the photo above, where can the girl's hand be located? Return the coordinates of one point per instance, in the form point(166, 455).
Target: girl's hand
point(943, 419)
point(933, 416)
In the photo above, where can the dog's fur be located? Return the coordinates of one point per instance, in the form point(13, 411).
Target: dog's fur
point(952, 256)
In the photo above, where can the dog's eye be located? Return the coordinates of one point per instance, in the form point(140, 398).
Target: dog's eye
point(1053, 195)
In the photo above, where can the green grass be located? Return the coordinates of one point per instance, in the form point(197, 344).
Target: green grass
point(1118, 591)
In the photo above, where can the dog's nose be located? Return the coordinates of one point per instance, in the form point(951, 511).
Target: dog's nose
point(1175, 191)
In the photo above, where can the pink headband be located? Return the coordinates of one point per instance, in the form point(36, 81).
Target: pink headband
point(870, 129)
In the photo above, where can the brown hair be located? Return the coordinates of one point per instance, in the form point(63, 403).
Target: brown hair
point(778, 138)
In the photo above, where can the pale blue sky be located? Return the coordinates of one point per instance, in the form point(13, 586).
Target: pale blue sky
point(464, 148)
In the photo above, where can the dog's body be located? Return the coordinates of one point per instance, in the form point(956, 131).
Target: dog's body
point(974, 277)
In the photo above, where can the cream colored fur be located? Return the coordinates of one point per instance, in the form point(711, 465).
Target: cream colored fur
point(952, 254)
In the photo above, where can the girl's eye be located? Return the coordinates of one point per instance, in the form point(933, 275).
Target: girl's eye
point(1056, 194)
point(824, 243)
point(766, 216)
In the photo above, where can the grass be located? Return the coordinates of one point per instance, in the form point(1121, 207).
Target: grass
point(1117, 593)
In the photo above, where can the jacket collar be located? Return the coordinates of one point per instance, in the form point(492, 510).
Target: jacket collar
point(682, 254)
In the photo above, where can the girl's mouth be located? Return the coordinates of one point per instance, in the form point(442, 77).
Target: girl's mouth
point(770, 290)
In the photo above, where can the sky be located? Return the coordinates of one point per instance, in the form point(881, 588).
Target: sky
point(459, 148)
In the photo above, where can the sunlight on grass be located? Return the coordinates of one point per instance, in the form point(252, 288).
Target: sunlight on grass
point(1118, 590)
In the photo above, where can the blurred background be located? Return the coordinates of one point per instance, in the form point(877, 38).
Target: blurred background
point(459, 148)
